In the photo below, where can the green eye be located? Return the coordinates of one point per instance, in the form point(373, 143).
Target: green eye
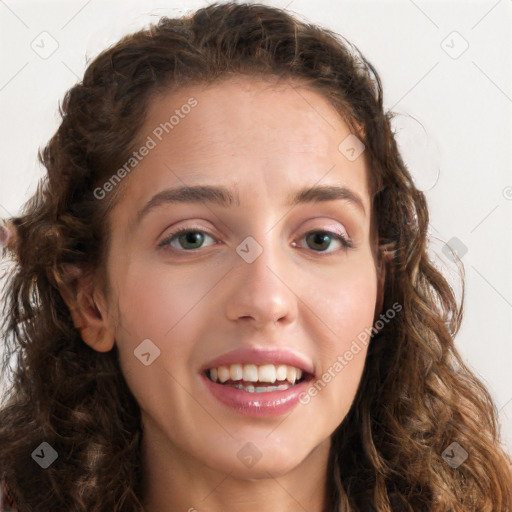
point(321, 239)
point(186, 236)
point(190, 238)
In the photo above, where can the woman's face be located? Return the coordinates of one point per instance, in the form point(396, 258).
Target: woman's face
point(256, 282)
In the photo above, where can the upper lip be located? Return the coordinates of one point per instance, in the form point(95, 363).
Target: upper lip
point(260, 356)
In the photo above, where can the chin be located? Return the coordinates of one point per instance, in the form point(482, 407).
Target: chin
point(255, 461)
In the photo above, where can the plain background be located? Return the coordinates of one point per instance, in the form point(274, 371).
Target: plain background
point(446, 70)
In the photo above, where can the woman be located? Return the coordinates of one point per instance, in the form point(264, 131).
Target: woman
point(300, 356)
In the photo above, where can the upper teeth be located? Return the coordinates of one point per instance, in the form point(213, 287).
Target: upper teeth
point(253, 373)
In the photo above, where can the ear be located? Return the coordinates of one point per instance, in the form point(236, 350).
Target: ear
point(88, 309)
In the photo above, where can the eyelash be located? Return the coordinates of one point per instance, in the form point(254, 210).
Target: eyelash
point(165, 244)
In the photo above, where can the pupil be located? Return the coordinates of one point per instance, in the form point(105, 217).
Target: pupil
point(323, 238)
point(191, 237)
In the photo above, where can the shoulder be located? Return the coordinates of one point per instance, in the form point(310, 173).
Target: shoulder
point(7, 503)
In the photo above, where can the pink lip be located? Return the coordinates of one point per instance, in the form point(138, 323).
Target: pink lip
point(268, 404)
point(272, 403)
point(259, 356)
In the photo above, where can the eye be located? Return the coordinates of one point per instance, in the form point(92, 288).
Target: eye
point(320, 239)
point(185, 236)
point(195, 237)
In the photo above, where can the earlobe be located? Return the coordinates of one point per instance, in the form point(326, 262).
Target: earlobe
point(88, 311)
point(101, 340)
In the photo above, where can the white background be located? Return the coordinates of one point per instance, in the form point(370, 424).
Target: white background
point(455, 128)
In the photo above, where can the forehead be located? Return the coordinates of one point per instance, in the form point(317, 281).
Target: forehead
point(242, 111)
point(244, 132)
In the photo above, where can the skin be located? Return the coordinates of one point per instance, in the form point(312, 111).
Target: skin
point(196, 304)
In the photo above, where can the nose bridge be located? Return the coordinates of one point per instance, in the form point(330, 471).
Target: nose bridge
point(262, 290)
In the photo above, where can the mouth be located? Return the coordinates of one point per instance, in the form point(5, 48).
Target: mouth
point(258, 382)
point(257, 390)
point(253, 378)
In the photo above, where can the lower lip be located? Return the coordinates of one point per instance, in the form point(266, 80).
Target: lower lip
point(267, 404)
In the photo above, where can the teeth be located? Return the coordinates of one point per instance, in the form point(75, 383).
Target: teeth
point(281, 372)
point(291, 373)
point(223, 372)
point(235, 372)
point(252, 373)
point(267, 373)
point(264, 389)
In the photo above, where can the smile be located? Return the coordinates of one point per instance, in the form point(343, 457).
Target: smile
point(256, 379)
point(258, 382)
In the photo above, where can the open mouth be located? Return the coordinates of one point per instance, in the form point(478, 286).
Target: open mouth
point(257, 379)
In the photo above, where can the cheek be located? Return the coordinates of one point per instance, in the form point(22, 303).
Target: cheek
point(157, 317)
point(153, 301)
point(344, 301)
point(345, 306)
point(355, 307)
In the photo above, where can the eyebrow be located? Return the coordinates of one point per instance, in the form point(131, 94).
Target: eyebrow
point(224, 197)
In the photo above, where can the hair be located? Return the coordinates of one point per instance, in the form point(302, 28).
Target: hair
point(416, 395)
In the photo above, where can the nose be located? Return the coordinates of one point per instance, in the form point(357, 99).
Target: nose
point(261, 292)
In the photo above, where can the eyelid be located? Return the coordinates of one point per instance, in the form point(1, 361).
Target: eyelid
point(339, 234)
point(184, 229)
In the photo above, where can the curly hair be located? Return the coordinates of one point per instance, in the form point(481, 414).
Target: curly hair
point(416, 395)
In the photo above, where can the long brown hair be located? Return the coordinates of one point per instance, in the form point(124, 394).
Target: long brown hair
point(416, 396)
